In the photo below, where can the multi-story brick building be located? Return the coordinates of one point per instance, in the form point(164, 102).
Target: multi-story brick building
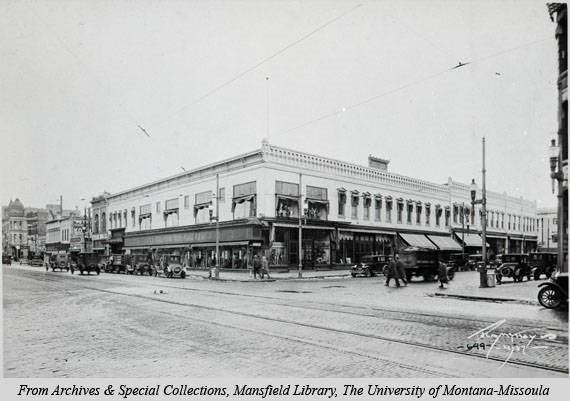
point(345, 210)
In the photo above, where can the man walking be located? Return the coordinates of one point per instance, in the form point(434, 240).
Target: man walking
point(256, 266)
point(393, 271)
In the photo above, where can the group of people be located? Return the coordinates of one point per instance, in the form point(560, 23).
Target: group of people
point(397, 271)
point(260, 266)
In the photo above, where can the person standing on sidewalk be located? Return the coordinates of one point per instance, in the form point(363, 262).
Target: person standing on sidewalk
point(256, 266)
point(442, 274)
point(393, 272)
point(264, 267)
point(401, 270)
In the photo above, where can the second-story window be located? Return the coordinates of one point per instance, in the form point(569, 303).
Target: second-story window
point(389, 209)
point(366, 203)
point(171, 212)
point(428, 214)
point(145, 217)
point(133, 217)
point(341, 201)
point(317, 203)
point(418, 213)
point(377, 207)
point(202, 203)
point(410, 209)
point(186, 201)
point(286, 199)
point(244, 201)
point(447, 215)
point(354, 205)
point(400, 210)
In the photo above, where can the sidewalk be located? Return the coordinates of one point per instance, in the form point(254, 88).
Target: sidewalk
point(525, 292)
point(245, 275)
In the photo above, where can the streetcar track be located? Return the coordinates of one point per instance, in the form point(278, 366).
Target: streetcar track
point(330, 329)
point(324, 328)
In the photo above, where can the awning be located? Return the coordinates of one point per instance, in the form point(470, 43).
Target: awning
point(113, 241)
point(471, 240)
point(170, 211)
point(318, 202)
point(241, 199)
point(199, 206)
point(287, 197)
point(144, 215)
point(305, 226)
point(229, 243)
point(445, 243)
point(418, 240)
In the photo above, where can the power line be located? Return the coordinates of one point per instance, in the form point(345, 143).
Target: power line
point(265, 60)
point(416, 82)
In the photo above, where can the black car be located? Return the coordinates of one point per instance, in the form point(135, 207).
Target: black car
point(37, 262)
point(6, 259)
point(456, 260)
point(140, 264)
point(371, 265)
point(515, 266)
point(542, 263)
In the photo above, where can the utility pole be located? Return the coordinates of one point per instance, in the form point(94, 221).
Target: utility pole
point(217, 265)
point(300, 274)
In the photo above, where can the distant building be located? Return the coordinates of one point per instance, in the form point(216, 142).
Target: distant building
point(547, 229)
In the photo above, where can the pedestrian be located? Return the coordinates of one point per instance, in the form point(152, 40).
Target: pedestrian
point(256, 266)
point(393, 271)
point(264, 267)
point(442, 274)
point(401, 270)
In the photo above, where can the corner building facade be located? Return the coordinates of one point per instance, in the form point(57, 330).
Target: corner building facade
point(345, 210)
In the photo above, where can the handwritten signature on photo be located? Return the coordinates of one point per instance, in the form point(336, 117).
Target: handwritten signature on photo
point(520, 341)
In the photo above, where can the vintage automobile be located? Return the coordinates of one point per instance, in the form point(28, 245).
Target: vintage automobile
point(170, 266)
point(59, 261)
point(116, 264)
point(423, 262)
point(86, 263)
point(554, 292)
point(542, 263)
point(371, 265)
point(140, 264)
point(474, 262)
point(456, 260)
point(515, 266)
point(6, 259)
point(37, 261)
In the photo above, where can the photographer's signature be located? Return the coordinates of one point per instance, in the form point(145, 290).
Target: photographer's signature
point(520, 341)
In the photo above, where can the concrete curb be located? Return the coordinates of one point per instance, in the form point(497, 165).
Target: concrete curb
point(272, 279)
point(486, 299)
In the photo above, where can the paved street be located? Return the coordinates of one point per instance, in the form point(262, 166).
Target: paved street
point(63, 325)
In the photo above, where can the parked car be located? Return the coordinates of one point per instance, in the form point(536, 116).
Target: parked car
point(87, 262)
point(423, 262)
point(140, 264)
point(59, 261)
point(456, 260)
point(37, 261)
point(6, 259)
point(371, 265)
point(474, 262)
point(170, 266)
point(116, 264)
point(554, 292)
point(542, 263)
point(515, 266)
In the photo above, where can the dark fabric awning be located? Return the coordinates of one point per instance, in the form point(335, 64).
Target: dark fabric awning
point(241, 199)
point(113, 241)
point(445, 243)
point(471, 240)
point(287, 197)
point(318, 201)
point(145, 215)
point(170, 211)
point(199, 206)
point(419, 240)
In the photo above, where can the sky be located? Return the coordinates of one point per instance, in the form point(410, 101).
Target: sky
point(107, 95)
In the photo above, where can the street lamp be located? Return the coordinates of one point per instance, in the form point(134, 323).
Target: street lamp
point(483, 203)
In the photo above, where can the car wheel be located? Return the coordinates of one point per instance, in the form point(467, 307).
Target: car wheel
point(368, 273)
point(537, 275)
point(183, 274)
point(550, 297)
point(409, 277)
point(353, 275)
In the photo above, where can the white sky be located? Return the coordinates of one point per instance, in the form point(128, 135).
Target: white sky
point(77, 77)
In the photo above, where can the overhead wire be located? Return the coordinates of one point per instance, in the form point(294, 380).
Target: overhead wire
point(399, 88)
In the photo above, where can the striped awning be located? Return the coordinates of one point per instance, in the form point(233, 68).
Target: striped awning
point(419, 240)
point(472, 240)
point(445, 243)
